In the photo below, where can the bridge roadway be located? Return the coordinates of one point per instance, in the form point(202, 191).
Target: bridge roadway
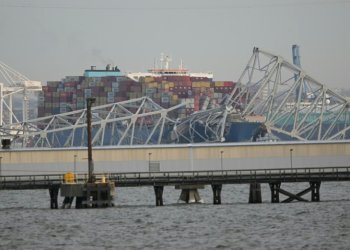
point(178, 157)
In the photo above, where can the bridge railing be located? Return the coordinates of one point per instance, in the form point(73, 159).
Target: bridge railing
point(257, 173)
point(244, 175)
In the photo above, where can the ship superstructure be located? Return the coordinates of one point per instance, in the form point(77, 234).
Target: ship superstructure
point(164, 69)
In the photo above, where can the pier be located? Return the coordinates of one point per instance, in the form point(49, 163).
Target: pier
point(188, 181)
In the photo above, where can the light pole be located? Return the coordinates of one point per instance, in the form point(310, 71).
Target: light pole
point(75, 164)
point(0, 164)
point(149, 161)
point(222, 152)
point(291, 157)
point(191, 157)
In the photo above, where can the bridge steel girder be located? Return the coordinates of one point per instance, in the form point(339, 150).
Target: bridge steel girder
point(120, 118)
point(275, 88)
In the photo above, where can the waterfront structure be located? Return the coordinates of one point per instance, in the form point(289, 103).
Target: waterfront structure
point(270, 91)
point(178, 157)
point(187, 167)
point(188, 182)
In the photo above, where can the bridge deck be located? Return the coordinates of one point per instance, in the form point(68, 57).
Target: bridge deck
point(134, 179)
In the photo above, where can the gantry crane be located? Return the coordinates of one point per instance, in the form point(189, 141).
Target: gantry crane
point(15, 84)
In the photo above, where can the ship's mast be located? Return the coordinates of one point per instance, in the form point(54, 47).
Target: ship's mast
point(161, 60)
point(167, 62)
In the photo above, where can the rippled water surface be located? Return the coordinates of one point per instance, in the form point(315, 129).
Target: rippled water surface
point(26, 222)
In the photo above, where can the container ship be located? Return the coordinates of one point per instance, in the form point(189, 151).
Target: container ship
point(164, 85)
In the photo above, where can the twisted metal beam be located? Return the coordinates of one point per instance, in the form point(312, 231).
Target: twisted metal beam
point(275, 88)
point(137, 121)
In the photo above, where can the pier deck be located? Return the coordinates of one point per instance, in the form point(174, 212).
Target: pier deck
point(187, 181)
point(134, 179)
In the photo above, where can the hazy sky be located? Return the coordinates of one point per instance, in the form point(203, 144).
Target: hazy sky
point(47, 39)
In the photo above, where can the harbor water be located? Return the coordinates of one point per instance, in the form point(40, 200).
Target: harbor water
point(27, 222)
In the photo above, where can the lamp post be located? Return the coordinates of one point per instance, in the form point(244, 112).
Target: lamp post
point(291, 157)
point(149, 161)
point(222, 152)
point(0, 164)
point(75, 164)
point(191, 157)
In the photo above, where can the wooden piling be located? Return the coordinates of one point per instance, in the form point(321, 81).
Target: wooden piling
point(158, 190)
point(53, 191)
point(315, 190)
point(216, 193)
point(255, 193)
point(275, 186)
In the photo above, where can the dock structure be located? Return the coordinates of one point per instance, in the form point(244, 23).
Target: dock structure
point(188, 181)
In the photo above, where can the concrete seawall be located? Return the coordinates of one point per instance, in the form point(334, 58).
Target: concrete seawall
point(179, 157)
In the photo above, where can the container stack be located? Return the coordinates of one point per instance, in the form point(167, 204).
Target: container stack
point(197, 93)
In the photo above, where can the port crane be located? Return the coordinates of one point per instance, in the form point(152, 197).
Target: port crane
point(16, 85)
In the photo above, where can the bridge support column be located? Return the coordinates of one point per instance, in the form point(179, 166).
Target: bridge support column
point(216, 193)
point(67, 202)
point(315, 190)
point(88, 195)
point(158, 190)
point(190, 194)
point(53, 197)
point(275, 188)
point(100, 194)
point(78, 202)
point(255, 193)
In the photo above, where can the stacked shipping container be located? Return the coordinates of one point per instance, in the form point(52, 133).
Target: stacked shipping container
point(70, 93)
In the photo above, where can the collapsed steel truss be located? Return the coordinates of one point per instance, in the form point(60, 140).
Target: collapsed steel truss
point(136, 121)
point(202, 126)
point(295, 106)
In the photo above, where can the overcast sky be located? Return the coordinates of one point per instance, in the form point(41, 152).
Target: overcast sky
point(48, 39)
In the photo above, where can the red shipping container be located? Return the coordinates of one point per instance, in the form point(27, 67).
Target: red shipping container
point(120, 99)
point(51, 89)
point(70, 84)
point(107, 84)
point(48, 98)
point(80, 92)
point(63, 94)
point(196, 99)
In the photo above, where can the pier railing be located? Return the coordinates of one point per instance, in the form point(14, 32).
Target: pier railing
point(132, 179)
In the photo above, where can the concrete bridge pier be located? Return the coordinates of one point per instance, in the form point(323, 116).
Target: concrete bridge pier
point(88, 195)
point(216, 193)
point(189, 193)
